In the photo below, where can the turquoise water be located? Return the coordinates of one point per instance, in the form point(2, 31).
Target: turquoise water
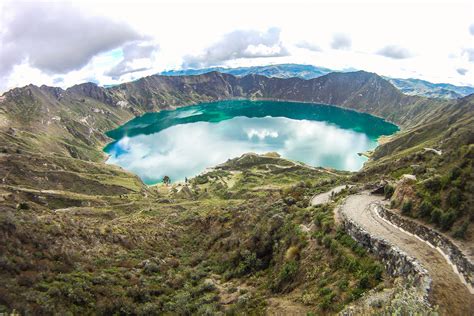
point(184, 142)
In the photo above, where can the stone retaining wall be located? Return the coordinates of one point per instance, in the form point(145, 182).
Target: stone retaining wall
point(462, 264)
point(397, 262)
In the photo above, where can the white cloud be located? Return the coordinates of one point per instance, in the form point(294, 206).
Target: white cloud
point(341, 41)
point(136, 57)
point(56, 37)
point(309, 46)
point(469, 53)
point(395, 52)
point(239, 44)
point(462, 71)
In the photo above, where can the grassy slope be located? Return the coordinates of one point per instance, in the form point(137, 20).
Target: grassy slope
point(228, 245)
point(443, 192)
point(75, 231)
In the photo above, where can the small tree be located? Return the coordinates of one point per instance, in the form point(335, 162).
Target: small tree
point(166, 180)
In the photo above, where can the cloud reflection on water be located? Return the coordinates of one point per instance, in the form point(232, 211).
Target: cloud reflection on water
point(188, 149)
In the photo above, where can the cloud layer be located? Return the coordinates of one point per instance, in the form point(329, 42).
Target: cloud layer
point(395, 52)
point(239, 44)
point(56, 37)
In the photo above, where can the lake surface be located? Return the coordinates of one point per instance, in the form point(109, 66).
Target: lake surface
point(184, 142)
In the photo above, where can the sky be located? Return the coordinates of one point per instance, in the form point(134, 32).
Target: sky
point(60, 43)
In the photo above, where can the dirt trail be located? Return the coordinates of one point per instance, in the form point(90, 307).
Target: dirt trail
point(325, 197)
point(278, 306)
point(452, 296)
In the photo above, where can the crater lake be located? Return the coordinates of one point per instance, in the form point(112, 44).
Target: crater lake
point(184, 142)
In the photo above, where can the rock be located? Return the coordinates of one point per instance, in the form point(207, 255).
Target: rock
point(122, 104)
point(432, 150)
point(408, 177)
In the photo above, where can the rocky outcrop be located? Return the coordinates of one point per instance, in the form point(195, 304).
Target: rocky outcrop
point(397, 262)
point(91, 90)
point(461, 263)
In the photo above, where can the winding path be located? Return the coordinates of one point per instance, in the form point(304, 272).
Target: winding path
point(325, 197)
point(452, 296)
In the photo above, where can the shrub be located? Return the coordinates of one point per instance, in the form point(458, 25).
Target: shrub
point(151, 267)
point(364, 282)
point(454, 198)
point(455, 173)
point(286, 275)
point(460, 232)
point(436, 216)
point(293, 253)
point(248, 263)
point(327, 298)
point(433, 184)
point(327, 240)
point(388, 191)
point(407, 207)
point(447, 220)
point(23, 206)
point(425, 209)
point(201, 179)
point(435, 199)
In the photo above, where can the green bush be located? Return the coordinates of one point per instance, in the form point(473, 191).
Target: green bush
point(433, 184)
point(447, 220)
point(436, 216)
point(286, 275)
point(407, 207)
point(454, 198)
point(388, 191)
point(327, 298)
point(460, 232)
point(23, 206)
point(455, 173)
point(364, 282)
point(425, 209)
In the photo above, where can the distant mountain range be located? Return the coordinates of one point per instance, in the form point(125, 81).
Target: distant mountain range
point(407, 86)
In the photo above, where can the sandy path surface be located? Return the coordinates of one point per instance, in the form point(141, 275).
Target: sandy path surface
point(325, 197)
point(452, 296)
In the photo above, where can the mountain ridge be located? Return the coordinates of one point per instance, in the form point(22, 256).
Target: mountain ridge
point(150, 93)
point(410, 86)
